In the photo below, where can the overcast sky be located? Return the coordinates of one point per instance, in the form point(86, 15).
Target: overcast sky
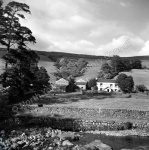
point(96, 27)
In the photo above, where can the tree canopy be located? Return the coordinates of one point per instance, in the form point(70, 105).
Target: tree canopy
point(125, 83)
point(92, 82)
point(118, 64)
point(70, 67)
point(21, 63)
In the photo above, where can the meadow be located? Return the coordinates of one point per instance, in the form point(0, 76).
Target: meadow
point(140, 76)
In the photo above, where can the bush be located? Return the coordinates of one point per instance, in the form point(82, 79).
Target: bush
point(92, 83)
point(128, 126)
point(95, 88)
point(141, 88)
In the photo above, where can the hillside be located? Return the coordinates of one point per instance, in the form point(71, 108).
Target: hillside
point(140, 76)
point(44, 61)
point(94, 64)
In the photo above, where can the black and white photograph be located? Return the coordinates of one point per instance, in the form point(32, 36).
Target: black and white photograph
point(74, 74)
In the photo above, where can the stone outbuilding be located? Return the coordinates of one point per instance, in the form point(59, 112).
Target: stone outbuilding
point(61, 85)
point(81, 84)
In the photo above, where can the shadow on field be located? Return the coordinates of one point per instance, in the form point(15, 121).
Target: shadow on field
point(71, 97)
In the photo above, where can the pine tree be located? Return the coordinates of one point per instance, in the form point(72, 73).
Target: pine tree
point(21, 63)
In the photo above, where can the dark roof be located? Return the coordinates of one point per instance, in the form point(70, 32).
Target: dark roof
point(106, 80)
point(81, 83)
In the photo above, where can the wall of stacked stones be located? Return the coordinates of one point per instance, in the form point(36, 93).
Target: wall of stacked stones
point(92, 112)
point(85, 124)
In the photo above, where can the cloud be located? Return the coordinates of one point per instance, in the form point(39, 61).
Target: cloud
point(122, 46)
point(89, 27)
point(124, 4)
point(145, 49)
point(76, 47)
point(107, 28)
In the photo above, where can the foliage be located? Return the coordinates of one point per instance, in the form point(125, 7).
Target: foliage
point(72, 86)
point(124, 126)
point(125, 83)
point(95, 88)
point(106, 72)
point(123, 64)
point(3, 97)
point(69, 67)
point(42, 79)
point(128, 126)
point(92, 83)
point(106, 68)
point(118, 64)
point(141, 88)
point(21, 63)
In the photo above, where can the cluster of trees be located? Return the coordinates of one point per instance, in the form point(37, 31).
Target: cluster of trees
point(125, 83)
point(67, 67)
point(21, 73)
point(116, 65)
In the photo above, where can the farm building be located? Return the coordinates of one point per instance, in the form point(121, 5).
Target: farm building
point(107, 85)
point(81, 84)
point(61, 84)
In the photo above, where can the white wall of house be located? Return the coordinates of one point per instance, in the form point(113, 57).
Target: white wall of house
point(82, 87)
point(103, 86)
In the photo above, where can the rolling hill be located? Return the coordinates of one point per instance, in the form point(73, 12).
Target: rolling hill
point(94, 64)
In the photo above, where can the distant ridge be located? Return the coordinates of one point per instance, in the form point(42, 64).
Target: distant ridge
point(76, 56)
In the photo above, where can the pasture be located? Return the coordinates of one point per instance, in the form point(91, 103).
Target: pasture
point(140, 76)
point(137, 101)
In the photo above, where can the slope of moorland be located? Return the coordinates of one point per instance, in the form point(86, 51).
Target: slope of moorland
point(94, 64)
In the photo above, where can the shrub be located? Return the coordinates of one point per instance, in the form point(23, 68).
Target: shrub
point(128, 125)
point(95, 88)
point(92, 83)
point(141, 88)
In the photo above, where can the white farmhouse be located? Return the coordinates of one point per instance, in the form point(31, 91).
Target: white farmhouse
point(107, 85)
point(81, 84)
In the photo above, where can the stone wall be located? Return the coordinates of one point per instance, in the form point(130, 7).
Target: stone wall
point(91, 112)
point(78, 123)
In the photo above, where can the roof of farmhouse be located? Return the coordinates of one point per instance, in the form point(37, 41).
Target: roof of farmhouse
point(106, 81)
point(81, 82)
point(62, 82)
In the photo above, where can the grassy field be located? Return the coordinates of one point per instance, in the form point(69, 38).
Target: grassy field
point(104, 101)
point(92, 69)
point(140, 76)
point(138, 102)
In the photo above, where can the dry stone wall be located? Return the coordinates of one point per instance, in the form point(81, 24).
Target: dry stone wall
point(92, 112)
point(74, 123)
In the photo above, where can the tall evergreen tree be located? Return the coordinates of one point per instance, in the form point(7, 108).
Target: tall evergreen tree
point(21, 63)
